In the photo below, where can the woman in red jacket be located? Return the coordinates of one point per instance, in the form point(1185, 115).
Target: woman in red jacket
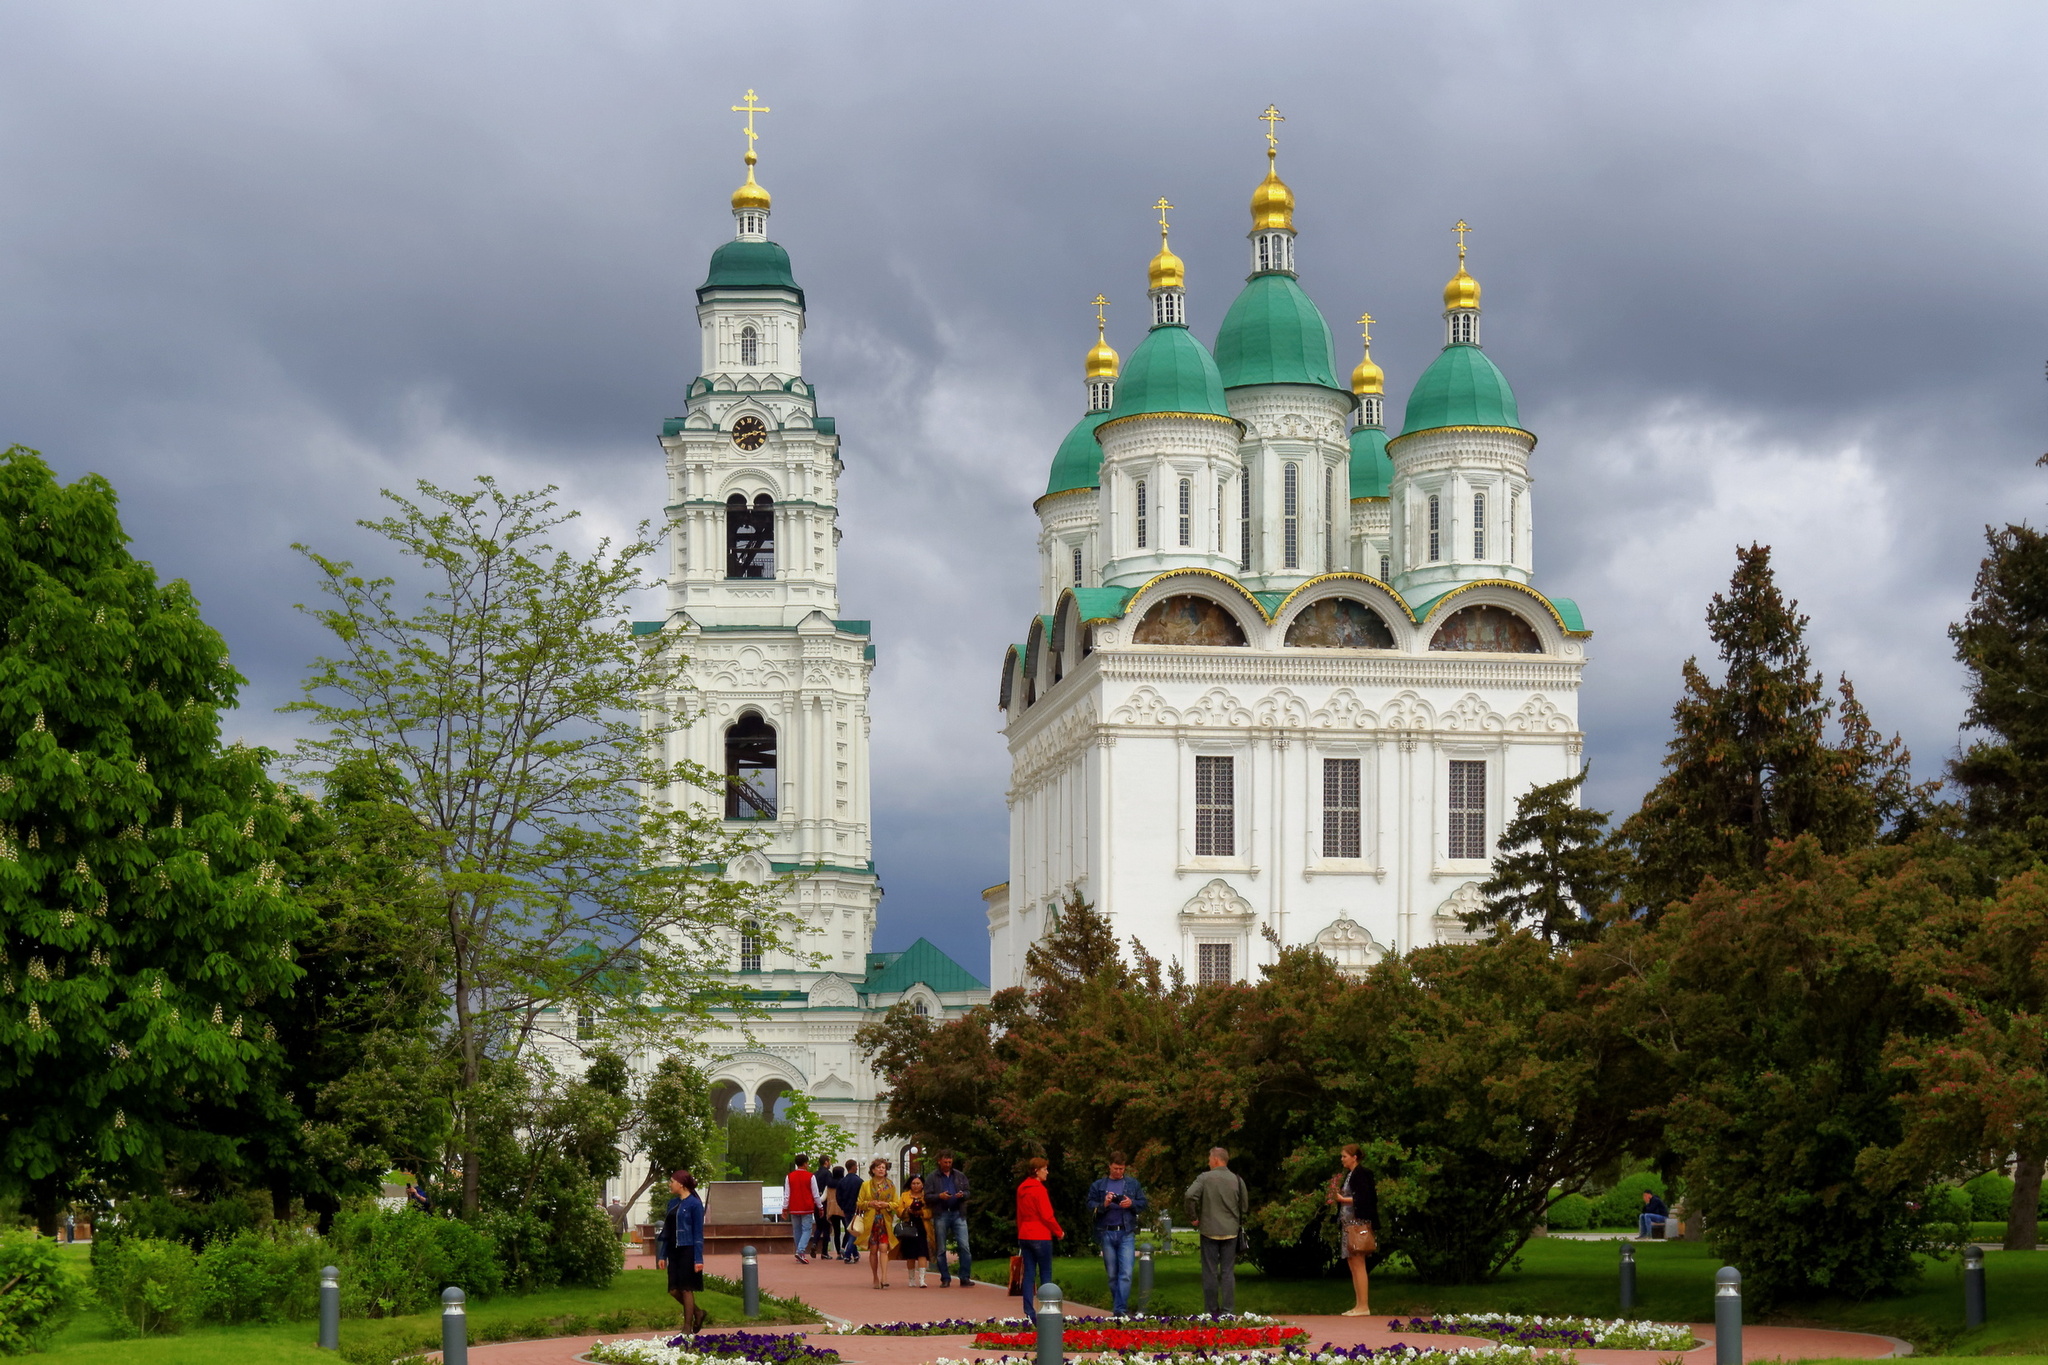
point(1036, 1229)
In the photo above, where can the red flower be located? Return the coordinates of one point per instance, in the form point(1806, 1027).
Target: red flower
point(1150, 1338)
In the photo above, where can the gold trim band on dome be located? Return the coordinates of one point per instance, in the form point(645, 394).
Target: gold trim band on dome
point(1140, 416)
point(1131, 601)
point(1343, 575)
point(1504, 431)
point(1043, 498)
point(1437, 605)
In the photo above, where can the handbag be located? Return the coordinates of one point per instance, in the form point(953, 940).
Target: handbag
point(1016, 1277)
point(1360, 1240)
point(904, 1230)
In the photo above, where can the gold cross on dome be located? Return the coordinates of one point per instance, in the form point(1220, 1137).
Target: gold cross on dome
point(1162, 206)
point(1461, 230)
point(750, 109)
point(1271, 118)
point(1100, 303)
point(1366, 321)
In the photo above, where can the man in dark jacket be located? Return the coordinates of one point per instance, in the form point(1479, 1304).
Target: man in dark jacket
point(1117, 1202)
point(945, 1190)
point(1654, 1215)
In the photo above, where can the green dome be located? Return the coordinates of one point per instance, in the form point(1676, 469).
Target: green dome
point(1169, 372)
point(1274, 335)
point(1372, 473)
point(750, 265)
point(1461, 388)
point(1078, 464)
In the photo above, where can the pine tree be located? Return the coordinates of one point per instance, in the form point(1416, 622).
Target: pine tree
point(2003, 642)
point(1750, 763)
point(143, 928)
point(1554, 870)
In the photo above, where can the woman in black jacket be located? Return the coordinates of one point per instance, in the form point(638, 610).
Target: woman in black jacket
point(1357, 1198)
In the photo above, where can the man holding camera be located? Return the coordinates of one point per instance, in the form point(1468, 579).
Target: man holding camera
point(1117, 1202)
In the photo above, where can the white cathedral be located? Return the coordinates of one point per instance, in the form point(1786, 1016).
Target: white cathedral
point(1285, 676)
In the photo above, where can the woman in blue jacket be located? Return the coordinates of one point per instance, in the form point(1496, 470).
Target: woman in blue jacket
point(681, 1247)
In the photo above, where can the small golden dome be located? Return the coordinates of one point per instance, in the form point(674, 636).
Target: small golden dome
point(1102, 359)
point(1462, 291)
point(1272, 201)
point(1368, 378)
point(750, 195)
point(1168, 270)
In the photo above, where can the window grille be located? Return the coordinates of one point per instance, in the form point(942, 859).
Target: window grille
point(1101, 393)
point(1468, 808)
point(1290, 516)
point(750, 346)
point(1436, 541)
point(1244, 522)
point(1514, 527)
point(1386, 567)
point(1479, 525)
point(1168, 310)
point(1340, 808)
point(586, 1024)
point(920, 1009)
point(1215, 807)
point(1187, 510)
point(750, 946)
point(1141, 514)
point(1265, 253)
point(1329, 521)
point(753, 224)
point(1077, 566)
point(1369, 412)
point(1212, 964)
point(1464, 329)
point(1222, 496)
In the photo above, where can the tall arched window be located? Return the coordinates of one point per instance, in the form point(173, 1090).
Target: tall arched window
point(750, 945)
point(1222, 496)
point(753, 223)
point(1077, 566)
point(1369, 411)
point(750, 769)
point(1101, 395)
point(1479, 525)
point(1329, 520)
point(1436, 527)
point(749, 537)
point(1464, 329)
point(1386, 567)
point(1290, 516)
point(1142, 518)
point(750, 346)
point(1168, 309)
point(1514, 526)
point(1187, 511)
point(1244, 522)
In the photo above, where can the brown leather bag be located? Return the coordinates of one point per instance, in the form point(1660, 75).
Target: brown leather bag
point(1359, 1240)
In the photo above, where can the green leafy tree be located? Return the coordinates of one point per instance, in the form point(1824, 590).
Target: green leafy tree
point(1750, 763)
point(145, 930)
point(674, 1125)
point(527, 725)
point(547, 1144)
point(815, 1135)
point(2003, 641)
point(1554, 869)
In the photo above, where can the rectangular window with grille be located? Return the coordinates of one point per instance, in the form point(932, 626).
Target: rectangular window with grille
point(1468, 808)
point(1436, 527)
point(1329, 523)
point(1077, 566)
point(1187, 511)
point(1340, 808)
point(750, 946)
point(1222, 496)
point(1212, 964)
point(1141, 514)
point(1215, 807)
point(1514, 526)
point(1386, 567)
point(1479, 525)
point(1290, 516)
point(1244, 521)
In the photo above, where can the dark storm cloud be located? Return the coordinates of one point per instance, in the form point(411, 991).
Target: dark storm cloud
point(1756, 271)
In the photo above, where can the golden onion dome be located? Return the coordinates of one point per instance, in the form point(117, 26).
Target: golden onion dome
point(750, 195)
point(1168, 270)
point(1368, 378)
point(1462, 291)
point(1103, 359)
point(1272, 201)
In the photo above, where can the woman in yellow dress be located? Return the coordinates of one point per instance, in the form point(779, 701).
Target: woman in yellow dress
point(914, 1248)
point(877, 1207)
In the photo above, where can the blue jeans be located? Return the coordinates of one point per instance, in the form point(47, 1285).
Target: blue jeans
point(1119, 1247)
point(1649, 1220)
point(956, 1221)
point(1037, 1271)
point(800, 1225)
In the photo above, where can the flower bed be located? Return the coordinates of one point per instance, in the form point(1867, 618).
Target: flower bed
point(960, 1327)
point(718, 1348)
point(1326, 1354)
point(1126, 1339)
point(1516, 1329)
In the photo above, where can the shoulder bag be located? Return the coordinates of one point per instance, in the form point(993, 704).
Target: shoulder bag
point(1359, 1239)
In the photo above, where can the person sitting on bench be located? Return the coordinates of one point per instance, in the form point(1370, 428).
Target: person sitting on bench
point(1655, 1216)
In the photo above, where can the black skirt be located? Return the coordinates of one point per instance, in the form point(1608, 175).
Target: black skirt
point(683, 1273)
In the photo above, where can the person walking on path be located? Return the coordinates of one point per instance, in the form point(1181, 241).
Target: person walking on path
point(946, 1192)
point(1219, 1205)
point(849, 1203)
point(1117, 1203)
point(838, 1212)
point(877, 1219)
point(1037, 1229)
point(800, 1202)
point(680, 1248)
point(1653, 1216)
point(1357, 1197)
point(70, 1227)
point(914, 1229)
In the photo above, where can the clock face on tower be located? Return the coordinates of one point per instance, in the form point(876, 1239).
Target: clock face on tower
point(749, 433)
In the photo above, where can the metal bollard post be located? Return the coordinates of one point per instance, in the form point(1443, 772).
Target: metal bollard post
point(1144, 1277)
point(1973, 1287)
point(750, 1281)
point(454, 1328)
point(1727, 1316)
point(330, 1308)
point(1628, 1277)
point(1052, 1326)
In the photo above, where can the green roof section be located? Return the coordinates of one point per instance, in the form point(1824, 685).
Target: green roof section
point(894, 973)
point(856, 627)
point(824, 426)
point(1372, 472)
point(1461, 388)
point(1566, 610)
point(750, 265)
point(1101, 604)
point(647, 627)
point(1273, 334)
point(1569, 610)
point(1169, 372)
point(1269, 601)
point(1078, 461)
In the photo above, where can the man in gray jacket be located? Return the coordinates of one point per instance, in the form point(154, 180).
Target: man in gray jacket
point(1219, 1205)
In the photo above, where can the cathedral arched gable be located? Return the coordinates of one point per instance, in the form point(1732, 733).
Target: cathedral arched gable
point(1362, 588)
point(748, 481)
point(1521, 599)
point(1012, 666)
point(1226, 592)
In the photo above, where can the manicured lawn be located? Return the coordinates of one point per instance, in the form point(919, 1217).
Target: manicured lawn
point(1674, 1283)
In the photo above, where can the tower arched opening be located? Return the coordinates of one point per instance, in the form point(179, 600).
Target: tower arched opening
point(750, 769)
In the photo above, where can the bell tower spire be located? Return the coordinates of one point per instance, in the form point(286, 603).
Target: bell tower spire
point(750, 201)
point(1272, 231)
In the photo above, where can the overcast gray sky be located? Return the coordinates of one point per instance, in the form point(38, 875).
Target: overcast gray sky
point(1757, 271)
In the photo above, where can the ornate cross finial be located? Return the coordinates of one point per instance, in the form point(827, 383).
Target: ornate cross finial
point(1271, 118)
point(1366, 320)
point(1100, 303)
point(1461, 230)
point(1162, 206)
point(750, 109)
